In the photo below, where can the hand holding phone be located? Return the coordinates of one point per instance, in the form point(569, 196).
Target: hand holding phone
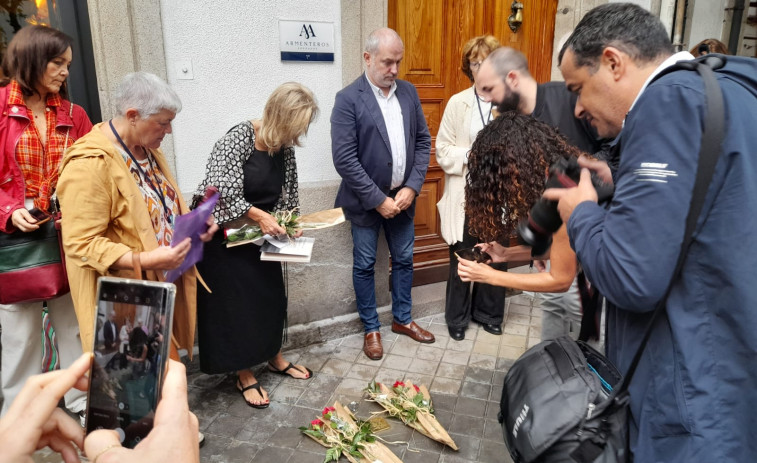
point(126, 375)
point(174, 436)
point(475, 254)
point(40, 216)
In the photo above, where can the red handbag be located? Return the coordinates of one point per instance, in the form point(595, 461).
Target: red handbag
point(32, 266)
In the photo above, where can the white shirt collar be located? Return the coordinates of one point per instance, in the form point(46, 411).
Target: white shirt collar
point(671, 60)
point(378, 91)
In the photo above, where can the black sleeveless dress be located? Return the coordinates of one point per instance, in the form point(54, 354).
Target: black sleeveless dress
point(242, 322)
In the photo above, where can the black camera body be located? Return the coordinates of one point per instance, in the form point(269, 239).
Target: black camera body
point(543, 219)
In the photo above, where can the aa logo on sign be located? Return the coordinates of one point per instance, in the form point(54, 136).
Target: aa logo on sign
point(307, 29)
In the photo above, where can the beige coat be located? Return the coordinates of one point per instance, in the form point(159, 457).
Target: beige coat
point(104, 217)
point(452, 145)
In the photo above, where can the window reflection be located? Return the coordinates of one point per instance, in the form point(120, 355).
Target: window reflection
point(15, 14)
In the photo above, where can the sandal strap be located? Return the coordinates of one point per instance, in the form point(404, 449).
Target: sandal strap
point(244, 389)
point(304, 370)
point(289, 367)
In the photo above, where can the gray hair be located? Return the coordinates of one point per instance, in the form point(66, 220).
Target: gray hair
point(147, 93)
point(375, 38)
point(506, 59)
point(625, 26)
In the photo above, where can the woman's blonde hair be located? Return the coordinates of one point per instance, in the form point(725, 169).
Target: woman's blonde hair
point(287, 115)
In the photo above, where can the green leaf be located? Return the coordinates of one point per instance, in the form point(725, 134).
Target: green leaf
point(373, 387)
point(333, 454)
point(311, 432)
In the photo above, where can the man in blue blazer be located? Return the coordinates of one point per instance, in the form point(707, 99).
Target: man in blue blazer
point(380, 145)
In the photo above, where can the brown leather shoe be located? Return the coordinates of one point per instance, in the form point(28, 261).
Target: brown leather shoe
point(414, 331)
point(372, 346)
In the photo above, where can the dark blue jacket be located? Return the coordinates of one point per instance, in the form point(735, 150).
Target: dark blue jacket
point(694, 395)
point(362, 154)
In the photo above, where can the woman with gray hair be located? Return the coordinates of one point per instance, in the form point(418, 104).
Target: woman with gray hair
point(119, 201)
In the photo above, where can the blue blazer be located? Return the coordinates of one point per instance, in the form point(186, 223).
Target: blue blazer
point(362, 154)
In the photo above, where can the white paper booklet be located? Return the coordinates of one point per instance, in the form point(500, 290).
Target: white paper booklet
point(297, 250)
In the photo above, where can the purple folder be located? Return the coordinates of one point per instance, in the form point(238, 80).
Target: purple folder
point(192, 225)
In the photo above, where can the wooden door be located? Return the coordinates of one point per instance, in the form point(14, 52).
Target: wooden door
point(434, 32)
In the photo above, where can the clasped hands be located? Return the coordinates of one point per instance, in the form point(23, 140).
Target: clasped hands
point(393, 206)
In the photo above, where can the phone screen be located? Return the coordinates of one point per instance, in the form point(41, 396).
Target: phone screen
point(475, 254)
point(132, 337)
point(40, 215)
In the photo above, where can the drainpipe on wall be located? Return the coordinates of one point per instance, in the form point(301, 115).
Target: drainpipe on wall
point(666, 12)
point(680, 20)
point(733, 37)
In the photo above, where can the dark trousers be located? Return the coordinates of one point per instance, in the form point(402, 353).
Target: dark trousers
point(481, 302)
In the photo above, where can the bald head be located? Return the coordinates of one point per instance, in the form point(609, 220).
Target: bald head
point(503, 79)
point(506, 59)
point(382, 36)
point(383, 54)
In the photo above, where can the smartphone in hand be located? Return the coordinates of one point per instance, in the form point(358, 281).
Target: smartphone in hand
point(475, 254)
point(40, 215)
point(132, 339)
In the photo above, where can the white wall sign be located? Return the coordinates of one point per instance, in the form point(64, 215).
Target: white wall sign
point(306, 40)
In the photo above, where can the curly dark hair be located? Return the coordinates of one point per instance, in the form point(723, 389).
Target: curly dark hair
point(507, 170)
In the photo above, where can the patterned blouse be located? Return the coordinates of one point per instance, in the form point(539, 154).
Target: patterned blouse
point(39, 162)
point(225, 170)
point(162, 219)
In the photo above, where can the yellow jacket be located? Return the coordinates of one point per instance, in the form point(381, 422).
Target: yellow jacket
point(104, 217)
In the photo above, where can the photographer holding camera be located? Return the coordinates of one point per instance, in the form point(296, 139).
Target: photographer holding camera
point(693, 394)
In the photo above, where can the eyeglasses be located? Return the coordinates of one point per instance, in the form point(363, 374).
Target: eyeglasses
point(475, 65)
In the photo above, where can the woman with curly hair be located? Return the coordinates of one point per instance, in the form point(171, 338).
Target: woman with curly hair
point(507, 171)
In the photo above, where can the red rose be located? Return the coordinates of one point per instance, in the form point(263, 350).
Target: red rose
point(316, 422)
point(417, 389)
point(398, 383)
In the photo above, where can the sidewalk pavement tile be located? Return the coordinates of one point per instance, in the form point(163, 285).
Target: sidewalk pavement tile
point(465, 379)
point(451, 370)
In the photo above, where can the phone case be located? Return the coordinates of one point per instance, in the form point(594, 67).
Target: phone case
point(131, 346)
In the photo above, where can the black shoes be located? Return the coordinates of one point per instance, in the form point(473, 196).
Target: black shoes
point(458, 334)
point(493, 329)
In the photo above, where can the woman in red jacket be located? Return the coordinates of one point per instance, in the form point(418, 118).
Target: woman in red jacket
point(37, 123)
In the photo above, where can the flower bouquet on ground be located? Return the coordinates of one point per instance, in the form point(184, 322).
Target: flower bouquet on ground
point(338, 430)
point(411, 404)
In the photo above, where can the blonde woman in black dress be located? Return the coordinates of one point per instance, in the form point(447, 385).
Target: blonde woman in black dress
point(241, 322)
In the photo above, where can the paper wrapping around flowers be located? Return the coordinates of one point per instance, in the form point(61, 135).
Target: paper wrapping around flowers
point(322, 219)
point(426, 423)
point(371, 452)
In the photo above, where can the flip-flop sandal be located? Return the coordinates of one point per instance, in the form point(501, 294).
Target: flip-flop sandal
point(291, 366)
point(255, 386)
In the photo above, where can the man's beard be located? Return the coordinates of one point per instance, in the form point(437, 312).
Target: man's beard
point(510, 102)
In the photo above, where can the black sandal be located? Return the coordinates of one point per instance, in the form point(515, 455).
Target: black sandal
point(291, 366)
point(255, 386)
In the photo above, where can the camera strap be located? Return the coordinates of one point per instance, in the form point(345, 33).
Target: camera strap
point(709, 153)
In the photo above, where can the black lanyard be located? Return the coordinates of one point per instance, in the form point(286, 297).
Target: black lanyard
point(480, 112)
point(157, 190)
